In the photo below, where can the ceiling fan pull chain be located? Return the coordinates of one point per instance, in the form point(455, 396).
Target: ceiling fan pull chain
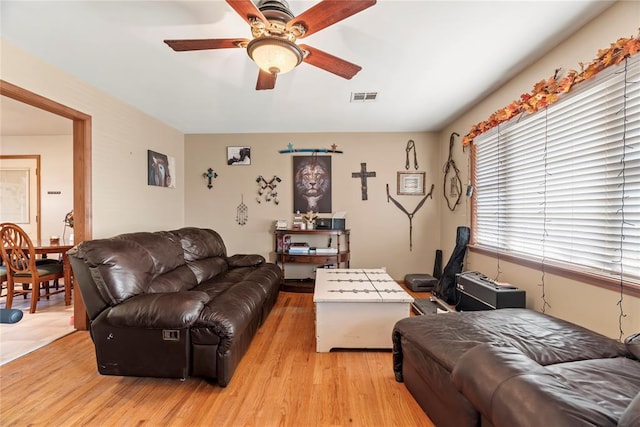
point(411, 146)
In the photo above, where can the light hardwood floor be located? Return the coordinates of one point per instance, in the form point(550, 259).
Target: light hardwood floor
point(281, 381)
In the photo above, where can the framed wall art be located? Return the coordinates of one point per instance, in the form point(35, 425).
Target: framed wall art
point(411, 183)
point(14, 195)
point(160, 169)
point(238, 156)
point(312, 184)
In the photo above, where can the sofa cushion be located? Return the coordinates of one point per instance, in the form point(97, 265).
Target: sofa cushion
point(612, 382)
point(119, 268)
point(509, 388)
point(129, 264)
point(227, 315)
point(543, 338)
point(200, 243)
point(204, 252)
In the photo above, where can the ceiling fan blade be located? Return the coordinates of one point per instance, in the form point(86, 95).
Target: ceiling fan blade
point(204, 44)
point(266, 80)
point(328, 12)
point(330, 63)
point(247, 9)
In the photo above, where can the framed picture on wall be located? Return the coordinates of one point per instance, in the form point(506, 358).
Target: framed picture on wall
point(238, 156)
point(411, 183)
point(160, 169)
point(312, 184)
point(14, 195)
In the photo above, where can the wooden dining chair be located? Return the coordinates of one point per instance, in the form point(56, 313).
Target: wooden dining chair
point(19, 257)
point(3, 276)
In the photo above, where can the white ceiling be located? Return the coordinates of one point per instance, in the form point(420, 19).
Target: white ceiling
point(428, 60)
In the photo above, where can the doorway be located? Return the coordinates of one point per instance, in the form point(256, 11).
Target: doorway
point(81, 171)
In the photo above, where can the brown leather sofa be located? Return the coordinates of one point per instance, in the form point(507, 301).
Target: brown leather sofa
point(172, 303)
point(515, 367)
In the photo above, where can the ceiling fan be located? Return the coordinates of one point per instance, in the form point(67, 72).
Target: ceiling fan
point(275, 31)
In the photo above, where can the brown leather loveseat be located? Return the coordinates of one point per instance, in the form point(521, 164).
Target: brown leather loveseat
point(515, 368)
point(172, 303)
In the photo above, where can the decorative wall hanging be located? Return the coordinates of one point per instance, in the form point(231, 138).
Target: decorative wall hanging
point(452, 173)
point(547, 92)
point(209, 174)
point(161, 169)
point(14, 195)
point(242, 212)
point(312, 184)
point(238, 156)
point(290, 149)
point(411, 146)
point(363, 175)
point(410, 215)
point(267, 189)
point(411, 183)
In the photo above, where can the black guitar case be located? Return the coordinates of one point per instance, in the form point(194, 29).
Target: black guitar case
point(445, 289)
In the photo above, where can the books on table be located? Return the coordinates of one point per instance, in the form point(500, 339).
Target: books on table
point(298, 248)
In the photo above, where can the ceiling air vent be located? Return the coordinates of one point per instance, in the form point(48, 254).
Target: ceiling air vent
point(363, 96)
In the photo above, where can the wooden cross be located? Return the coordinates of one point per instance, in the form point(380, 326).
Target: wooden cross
point(363, 175)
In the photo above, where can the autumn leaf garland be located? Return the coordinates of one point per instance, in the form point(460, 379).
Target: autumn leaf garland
point(546, 92)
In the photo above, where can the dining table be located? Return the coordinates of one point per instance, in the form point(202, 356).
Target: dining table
point(48, 247)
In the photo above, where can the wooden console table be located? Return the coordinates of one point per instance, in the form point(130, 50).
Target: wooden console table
point(342, 255)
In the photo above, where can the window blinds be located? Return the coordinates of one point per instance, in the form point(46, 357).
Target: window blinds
point(562, 186)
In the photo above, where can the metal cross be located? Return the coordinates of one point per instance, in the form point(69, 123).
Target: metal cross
point(363, 175)
point(210, 174)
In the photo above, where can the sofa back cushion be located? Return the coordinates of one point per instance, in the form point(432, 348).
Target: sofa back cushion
point(204, 252)
point(136, 263)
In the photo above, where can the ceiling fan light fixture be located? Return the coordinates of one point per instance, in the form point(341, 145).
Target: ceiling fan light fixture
point(275, 55)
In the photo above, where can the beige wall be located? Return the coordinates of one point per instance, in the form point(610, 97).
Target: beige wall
point(379, 230)
point(56, 162)
point(590, 306)
point(121, 135)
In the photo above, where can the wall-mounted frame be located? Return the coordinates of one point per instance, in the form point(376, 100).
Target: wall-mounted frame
point(411, 183)
point(14, 192)
point(161, 169)
point(238, 156)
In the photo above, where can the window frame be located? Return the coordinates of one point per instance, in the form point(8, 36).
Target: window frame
point(628, 285)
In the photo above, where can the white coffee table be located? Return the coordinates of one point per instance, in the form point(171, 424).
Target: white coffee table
point(357, 308)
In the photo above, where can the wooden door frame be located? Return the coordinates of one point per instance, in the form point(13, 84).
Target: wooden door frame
point(82, 213)
point(35, 157)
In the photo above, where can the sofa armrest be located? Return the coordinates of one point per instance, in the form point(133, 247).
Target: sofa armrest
point(245, 260)
point(172, 310)
point(631, 416)
point(510, 389)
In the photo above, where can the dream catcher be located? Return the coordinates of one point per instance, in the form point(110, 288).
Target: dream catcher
point(242, 212)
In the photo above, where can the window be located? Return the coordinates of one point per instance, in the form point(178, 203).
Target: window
point(562, 186)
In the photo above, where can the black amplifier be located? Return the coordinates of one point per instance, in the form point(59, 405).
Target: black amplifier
point(477, 292)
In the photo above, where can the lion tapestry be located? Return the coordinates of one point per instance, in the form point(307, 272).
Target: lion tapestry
point(312, 184)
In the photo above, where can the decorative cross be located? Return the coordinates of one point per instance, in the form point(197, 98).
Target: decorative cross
point(363, 175)
point(210, 174)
